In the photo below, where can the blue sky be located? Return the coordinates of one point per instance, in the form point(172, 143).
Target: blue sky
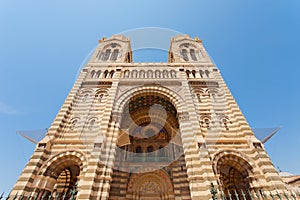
point(254, 43)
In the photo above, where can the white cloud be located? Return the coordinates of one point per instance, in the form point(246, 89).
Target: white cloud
point(6, 109)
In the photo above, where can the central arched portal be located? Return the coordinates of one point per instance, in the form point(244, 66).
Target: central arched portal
point(149, 144)
point(150, 186)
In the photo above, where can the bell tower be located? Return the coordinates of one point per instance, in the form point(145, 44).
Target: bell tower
point(149, 131)
point(184, 49)
point(116, 49)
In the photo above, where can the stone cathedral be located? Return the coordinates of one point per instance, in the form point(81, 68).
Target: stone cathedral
point(149, 131)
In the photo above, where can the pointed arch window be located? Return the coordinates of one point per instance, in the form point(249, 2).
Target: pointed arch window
point(188, 73)
point(207, 73)
point(194, 73)
point(106, 55)
point(201, 73)
point(184, 54)
point(99, 54)
point(106, 74)
point(112, 74)
point(193, 54)
point(92, 74)
point(98, 74)
point(114, 55)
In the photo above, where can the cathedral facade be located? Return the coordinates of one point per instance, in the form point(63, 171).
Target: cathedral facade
point(149, 131)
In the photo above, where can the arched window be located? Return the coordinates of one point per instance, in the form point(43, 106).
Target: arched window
point(99, 54)
point(193, 55)
point(188, 73)
point(199, 97)
point(150, 149)
point(173, 74)
point(134, 74)
point(157, 74)
point(184, 54)
point(112, 73)
point(105, 74)
point(106, 55)
point(150, 74)
point(201, 73)
point(98, 74)
point(126, 74)
point(92, 74)
point(84, 98)
point(207, 73)
point(91, 124)
point(99, 96)
point(128, 58)
point(194, 73)
point(74, 124)
point(207, 122)
point(114, 55)
point(138, 149)
point(200, 54)
point(142, 74)
point(165, 74)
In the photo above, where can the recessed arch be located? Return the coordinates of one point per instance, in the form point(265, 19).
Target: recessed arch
point(61, 172)
point(60, 155)
point(157, 150)
point(155, 185)
point(234, 172)
point(172, 96)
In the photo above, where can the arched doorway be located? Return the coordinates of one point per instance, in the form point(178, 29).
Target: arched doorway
point(234, 176)
point(66, 180)
point(150, 186)
point(62, 176)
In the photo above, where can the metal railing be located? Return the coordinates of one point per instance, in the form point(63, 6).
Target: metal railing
point(252, 194)
point(44, 195)
point(137, 159)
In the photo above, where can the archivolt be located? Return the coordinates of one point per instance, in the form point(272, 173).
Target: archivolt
point(172, 96)
point(61, 157)
point(233, 157)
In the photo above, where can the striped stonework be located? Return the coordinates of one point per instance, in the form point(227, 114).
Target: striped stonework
point(148, 131)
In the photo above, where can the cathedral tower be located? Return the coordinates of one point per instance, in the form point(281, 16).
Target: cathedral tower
point(149, 131)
